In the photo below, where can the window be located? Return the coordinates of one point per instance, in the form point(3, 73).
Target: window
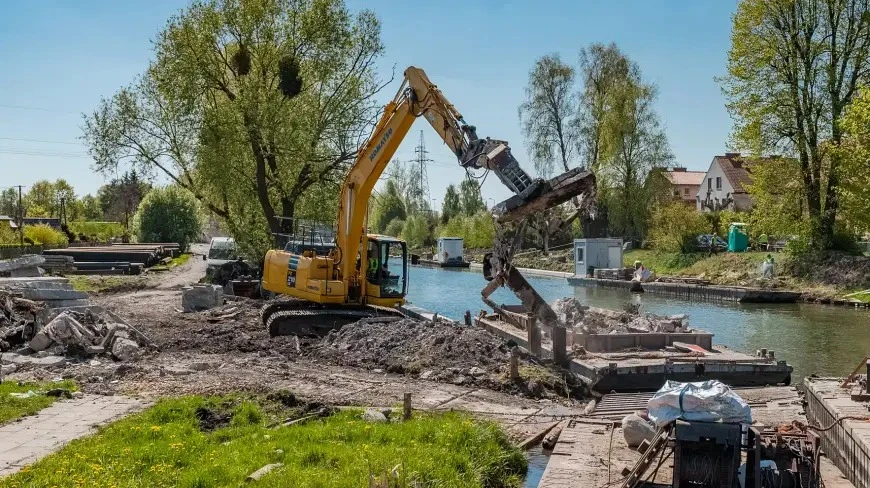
point(579, 254)
point(686, 191)
point(709, 183)
point(718, 182)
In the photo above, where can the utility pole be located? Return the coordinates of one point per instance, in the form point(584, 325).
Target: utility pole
point(20, 219)
point(422, 191)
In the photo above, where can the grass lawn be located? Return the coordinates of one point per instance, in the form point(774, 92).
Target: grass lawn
point(108, 283)
point(12, 408)
point(181, 259)
point(205, 442)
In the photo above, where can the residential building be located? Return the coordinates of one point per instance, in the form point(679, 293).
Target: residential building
point(684, 184)
point(726, 184)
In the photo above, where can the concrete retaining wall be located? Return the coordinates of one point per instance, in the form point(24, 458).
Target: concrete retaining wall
point(696, 292)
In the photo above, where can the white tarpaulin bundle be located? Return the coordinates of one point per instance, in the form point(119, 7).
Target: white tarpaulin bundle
point(706, 401)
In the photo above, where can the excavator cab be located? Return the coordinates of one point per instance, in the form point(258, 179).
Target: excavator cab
point(386, 272)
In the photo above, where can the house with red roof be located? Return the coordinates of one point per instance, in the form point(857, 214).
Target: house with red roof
point(684, 184)
point(726, 184)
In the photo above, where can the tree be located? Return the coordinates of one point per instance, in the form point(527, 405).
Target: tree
point(778, 202)
point(270, 98)
point(65, 195)
point(9, 202)
point(169, 214)
point(91, 210)
point(121, 197)
point(394, 228)
point(854, 152)
point(793, 68)
point(389, 206)
point(638, 144)
point(603, 70)
point(415, 231)
point(452, 206)
point(675, 226)
point(548, 115)
point(40, 200)
point(469, 195)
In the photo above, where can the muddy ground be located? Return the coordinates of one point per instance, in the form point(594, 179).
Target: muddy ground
point(227, 349)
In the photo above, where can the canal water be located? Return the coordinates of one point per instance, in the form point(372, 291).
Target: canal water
point(826, 340)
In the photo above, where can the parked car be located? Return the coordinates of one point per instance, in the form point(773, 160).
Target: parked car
point(703, 242)
point(221, 250)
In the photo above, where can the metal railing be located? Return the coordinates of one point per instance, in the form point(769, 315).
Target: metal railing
point(842, 448)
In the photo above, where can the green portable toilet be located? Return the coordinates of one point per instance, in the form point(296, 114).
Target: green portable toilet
point(738, 241)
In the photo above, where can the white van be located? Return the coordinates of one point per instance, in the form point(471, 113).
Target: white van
point(221, 251)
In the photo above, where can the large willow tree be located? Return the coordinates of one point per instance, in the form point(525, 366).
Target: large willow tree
point(257, 107)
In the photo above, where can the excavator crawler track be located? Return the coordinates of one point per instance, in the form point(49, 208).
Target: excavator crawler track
point(303, 318)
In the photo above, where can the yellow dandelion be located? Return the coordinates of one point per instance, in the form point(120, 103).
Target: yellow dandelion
point(155, 428)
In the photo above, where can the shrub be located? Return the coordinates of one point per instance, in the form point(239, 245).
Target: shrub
point(394, 228)
point(97, 231)
point(478, 231)
point(675, 227)
point(7, 235)
point(168, 214)
point(45, 235)
point(415, 231)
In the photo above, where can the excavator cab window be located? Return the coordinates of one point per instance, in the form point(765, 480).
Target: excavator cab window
point(387, 267)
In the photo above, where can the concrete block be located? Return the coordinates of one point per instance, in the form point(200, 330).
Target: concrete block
point(125, 349)
point(21, 359)
point(201, 297)
point(53, 294)
point(26, 261)
point(27, 272)
point(48, 281)
point(40, 342)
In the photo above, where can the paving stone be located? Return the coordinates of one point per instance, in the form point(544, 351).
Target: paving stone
point(31, 439)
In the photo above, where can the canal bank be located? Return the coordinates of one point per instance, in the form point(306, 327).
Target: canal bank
point(813, 339)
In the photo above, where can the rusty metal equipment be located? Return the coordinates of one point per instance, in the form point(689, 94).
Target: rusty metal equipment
point(708, 455)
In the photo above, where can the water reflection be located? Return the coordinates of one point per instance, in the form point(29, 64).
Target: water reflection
point(813, 338)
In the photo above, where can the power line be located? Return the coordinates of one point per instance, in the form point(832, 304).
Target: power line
point(37, 109)
point(15, 152)
point(38, 140)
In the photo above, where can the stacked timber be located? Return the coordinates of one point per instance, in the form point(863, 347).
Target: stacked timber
point(115, 258)
point(623, 274)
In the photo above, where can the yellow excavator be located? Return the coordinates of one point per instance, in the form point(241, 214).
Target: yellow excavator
point(351, 275)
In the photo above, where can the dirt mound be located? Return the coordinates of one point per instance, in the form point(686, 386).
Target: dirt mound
point(441, 351)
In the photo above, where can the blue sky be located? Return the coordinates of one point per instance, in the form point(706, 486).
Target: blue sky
point(58, 58)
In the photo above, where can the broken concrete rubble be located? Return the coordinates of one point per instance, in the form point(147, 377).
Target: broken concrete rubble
point(25, 266)
point(201, 297)
point(591, 320)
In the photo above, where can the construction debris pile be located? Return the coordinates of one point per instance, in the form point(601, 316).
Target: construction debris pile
point(16, 315)
point(591, 320)
point(87, 334)
point(30, 326)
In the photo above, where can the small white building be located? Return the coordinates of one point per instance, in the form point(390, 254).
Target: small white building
point(592, 254)
point(726, 184)
point(450, 251)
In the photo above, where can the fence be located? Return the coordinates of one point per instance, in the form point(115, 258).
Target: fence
point(11, 251)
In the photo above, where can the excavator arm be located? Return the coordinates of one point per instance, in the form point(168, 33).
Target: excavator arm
point(419, 97)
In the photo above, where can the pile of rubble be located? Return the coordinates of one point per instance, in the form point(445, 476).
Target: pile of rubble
point(87, 334)
point(591, 320)
point(17, 318)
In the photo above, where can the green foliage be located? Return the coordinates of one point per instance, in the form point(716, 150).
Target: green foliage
point(394, 228)
point(13, 408)
point(782, 53)
point(164, 446)
point(477, 231)
point(469, 196)
point(854, 191)
point(778, 199)
point(169, 214)
point(675, 226)
point(43, 199)
point(9, 202)
point(452, 205)
point(217, 124)
point(119, 199)
point(44, 235)
point(7, 235)
point(415, 231)
point(91, 210)
point(388, 206)
point(549, 115)
point(97, 231)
